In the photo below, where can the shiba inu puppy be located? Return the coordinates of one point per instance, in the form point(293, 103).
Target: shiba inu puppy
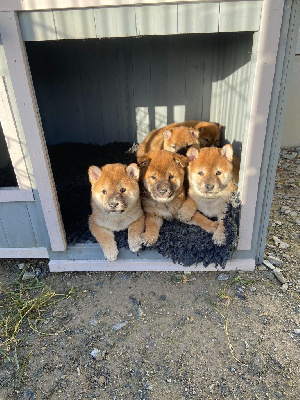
point(171, 138)
point(116, 205)
point(163, 193)
point(210, 133)
point(178, 137)
point(213, 176)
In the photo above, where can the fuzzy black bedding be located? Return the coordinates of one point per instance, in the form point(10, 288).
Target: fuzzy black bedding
point(182, 243)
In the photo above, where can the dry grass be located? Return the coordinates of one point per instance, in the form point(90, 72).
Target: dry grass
point(23, 304)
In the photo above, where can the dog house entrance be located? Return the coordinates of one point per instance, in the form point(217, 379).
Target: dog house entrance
point(97, 98)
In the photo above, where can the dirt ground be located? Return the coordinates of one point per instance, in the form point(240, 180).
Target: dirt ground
point(167, 336)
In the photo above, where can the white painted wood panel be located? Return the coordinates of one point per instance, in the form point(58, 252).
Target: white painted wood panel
point(75, 24)
point(262, 89)
point(18, 5)
point(115, 22)
point(12, 194)
point(144, 265)
point(156, 20)
point(38, 25)
point(24, 93)
point(196, 17)
point(240, 16)
point(12, 138)
point(34, 252)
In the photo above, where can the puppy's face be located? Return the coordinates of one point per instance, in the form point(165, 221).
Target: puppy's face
point(114, 186)
point(180, 139)
point(210, 135)
point(210, 170)
point(163, 174)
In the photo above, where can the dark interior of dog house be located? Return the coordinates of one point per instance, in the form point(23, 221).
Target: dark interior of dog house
point(99, 97)
point(7, 173)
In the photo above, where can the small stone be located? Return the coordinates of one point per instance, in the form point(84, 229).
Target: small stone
point(119, 326)
point(252, 289)
point(297, 331)
point(276, 240)
point(169, 380)
point(28, 275)
point(223, 277)
point(232, 369)
point(293, 214)
point(297, 221)
point(283, 245)
point(95, 353)
point(284, 209)
point(140, 312)
point(285, 287)
point(37, 271)
point(21, 266)
point(275, 261)
point(93, 322)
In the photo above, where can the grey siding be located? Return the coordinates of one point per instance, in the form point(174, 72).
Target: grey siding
point(100, 91)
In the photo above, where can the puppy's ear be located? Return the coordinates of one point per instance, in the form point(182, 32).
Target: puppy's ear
point(192, 154)
point(133, 171)
point(180, 160)
point(167, 134)
point(194, 132)
point(227, 152)
point(144, 161)
point(94, 173)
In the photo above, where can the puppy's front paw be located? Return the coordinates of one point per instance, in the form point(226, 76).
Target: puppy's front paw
point(112, 254)
point(148, 240)
point(135, 243)
point(185, 215)
point(219, 237)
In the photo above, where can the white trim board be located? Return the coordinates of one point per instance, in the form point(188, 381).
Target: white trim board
point(13, 194)
point(29, 114)
point(144, 265)
point(22, 5)
point(34, 252)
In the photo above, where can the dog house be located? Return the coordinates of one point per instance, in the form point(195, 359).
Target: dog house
point(103, 71)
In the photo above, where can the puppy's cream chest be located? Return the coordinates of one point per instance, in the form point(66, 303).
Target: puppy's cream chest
point(212, 207)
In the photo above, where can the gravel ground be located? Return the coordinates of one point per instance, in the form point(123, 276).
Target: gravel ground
point(169, 336)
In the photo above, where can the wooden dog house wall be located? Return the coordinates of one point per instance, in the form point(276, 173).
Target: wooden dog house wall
point(90, 71)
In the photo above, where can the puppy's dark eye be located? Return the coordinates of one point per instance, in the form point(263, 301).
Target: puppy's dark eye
point(217, 142)
point(104, 191)
point(218, 173)
point(153, 177)
point(171, 176)
point(123, 190)
point(201, 173)
point(174, 146)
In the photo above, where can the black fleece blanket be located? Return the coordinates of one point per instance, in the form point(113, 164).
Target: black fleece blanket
point(182, 243)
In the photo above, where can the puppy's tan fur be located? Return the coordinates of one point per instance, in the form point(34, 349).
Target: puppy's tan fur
point(162, 190)
point(213, 176)
point(163, 193)
point(116, 206)
point(181, 135)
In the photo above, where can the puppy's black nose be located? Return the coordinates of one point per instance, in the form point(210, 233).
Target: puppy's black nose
point(113, 204)
point(209, 186)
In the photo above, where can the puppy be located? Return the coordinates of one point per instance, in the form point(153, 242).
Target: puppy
point(210, 133)
point(172, 138)
point(213, 175)
point(179, 136)
point(162, 190)
point(116, 205)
